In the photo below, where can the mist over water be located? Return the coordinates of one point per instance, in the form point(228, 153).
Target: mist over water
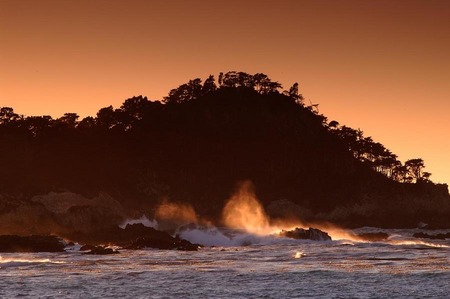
point(243, 257)
point(143, 220)
point(176, 212)
point(221, 237)
point(243, 211)
point(270, 268)
point(244, 222)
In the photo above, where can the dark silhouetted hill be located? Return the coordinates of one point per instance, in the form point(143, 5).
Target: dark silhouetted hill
point(195, 146)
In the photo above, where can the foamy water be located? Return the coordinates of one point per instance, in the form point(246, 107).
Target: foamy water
point(266, 267)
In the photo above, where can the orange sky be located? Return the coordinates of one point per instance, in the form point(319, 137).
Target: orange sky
point(382, 66)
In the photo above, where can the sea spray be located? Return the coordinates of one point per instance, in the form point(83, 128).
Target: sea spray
point(243, 215)
point(226, 237)
point(215, 237)
point(206, 237)
point(176, 212)
point(143, 220)
point(243, 211)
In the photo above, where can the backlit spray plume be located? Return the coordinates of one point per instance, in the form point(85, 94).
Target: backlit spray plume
point(243, 211)
point(176, 213)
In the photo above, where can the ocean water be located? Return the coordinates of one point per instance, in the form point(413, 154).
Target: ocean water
point(245, 267)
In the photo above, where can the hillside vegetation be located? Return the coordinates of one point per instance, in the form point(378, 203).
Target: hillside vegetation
point(198, 143)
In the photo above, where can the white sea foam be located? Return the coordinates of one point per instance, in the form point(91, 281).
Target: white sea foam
point(17, 262)
point(213, 236)
point(143, 220)
point(417, 242)
point(287, 268)
point(206, 237)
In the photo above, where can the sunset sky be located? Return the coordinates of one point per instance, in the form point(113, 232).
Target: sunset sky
point(382, 66)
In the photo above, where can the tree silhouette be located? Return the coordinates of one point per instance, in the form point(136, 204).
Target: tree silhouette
point(131, 112)
point(209, 85)
point(264, 85)
point(106, 118)
point(7, 115)
point(87, 123)
point(200, 141)
point(426, 176)
point(294, 94)
point(36, 125)
point(185, 92)
point(414, 168)
point(220, 79)
point(69, 120)
point(333, 125)
point(387, 163)
point(400, 174)
point(135, 107)
point(237, 79)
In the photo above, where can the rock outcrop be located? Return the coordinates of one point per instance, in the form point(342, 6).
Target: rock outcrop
point(306, 234)
point(58, 213)
point(98, 250)
point(73, 210)
point(14, 243)
point(133, 236)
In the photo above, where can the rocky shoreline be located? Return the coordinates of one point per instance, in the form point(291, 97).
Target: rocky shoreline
point(134, 236)
point(137, 236)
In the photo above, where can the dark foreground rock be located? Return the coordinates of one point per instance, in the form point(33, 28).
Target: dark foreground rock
point(435, 237)
point(306, 234)
point(163, 243)
point(133, 236)
point(14, 243)
point(374, 237)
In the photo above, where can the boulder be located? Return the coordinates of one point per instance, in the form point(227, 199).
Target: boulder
point(100, 250)
point(149, 237)
point(133, 236)
point(34, 243)
point(87, 247)
point(162, 243)
point(306, 234)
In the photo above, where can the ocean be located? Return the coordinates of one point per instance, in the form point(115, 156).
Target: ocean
point(240, 266)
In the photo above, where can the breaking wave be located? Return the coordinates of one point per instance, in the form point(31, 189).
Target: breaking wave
point(143, 220)
point(225, 238)
point(18, 262)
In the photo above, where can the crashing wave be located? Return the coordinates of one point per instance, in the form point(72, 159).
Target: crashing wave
point(143, 220)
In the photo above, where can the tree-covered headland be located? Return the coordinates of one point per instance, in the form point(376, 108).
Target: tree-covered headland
point(202, 139)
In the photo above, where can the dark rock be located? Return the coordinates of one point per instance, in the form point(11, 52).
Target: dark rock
point(187, 246)
point(373, 237)
point(306, 234)
point(149, 237)
point(162, 243)
point(34, 243)
point(87, 247)
point(435, 237)
point(101, 250)
point(133, 236)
